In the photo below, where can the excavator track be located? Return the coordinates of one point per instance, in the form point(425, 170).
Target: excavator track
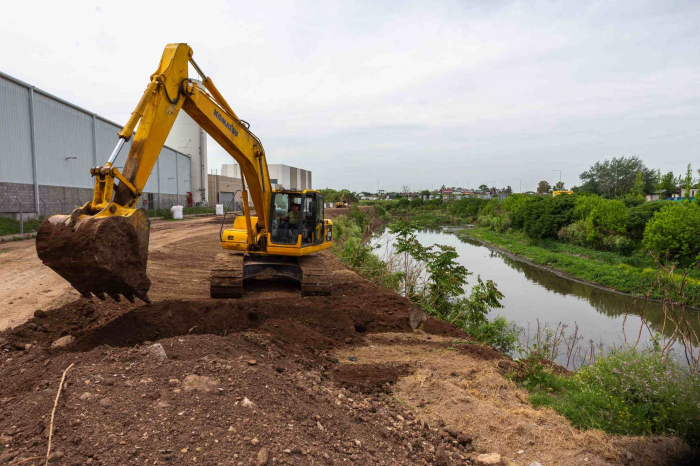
point(226, 276)
point(315, 276)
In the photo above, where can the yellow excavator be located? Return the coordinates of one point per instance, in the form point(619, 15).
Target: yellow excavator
point(341, 203)
point(101, 248)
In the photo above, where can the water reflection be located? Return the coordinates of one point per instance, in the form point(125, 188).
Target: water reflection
point(533, 294)
point(604, 302)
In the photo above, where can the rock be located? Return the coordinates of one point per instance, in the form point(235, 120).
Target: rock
point(441, 458)
point(55, 456)
point(489, 459)
point(174, 382)
point(246, 403)
point(63, 341)
point(263, 457)
point(199, 383)
point(162, 404)
point(319, 426)
point(87, 396)
point(348, 340)
point(416, 317)
point(255, 442)
point(252, 362)
point(157, 351)
point(106, 402)
point(535, 463)
point(39, 314)
point(147, 380)
point(358, 444)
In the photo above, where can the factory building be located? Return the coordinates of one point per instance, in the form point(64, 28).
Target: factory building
point(48, 145)
point(281, 176)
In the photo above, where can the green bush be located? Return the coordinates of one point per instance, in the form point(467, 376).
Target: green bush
point(469, 207)
point(403, 202)
point(416, 203)
point(544, 218)
point(673, 232)
point(627, 392)
point(639, 216)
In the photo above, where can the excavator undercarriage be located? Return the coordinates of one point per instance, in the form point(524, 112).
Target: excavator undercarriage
point(230, 270)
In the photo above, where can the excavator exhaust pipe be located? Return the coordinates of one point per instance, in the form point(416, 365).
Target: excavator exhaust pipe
point(98, 255)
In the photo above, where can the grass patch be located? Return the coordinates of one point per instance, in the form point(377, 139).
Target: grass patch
point(634, 275)
point(11, 227)
point(627, 392)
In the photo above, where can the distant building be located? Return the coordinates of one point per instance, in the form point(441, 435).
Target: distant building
point(281, 176)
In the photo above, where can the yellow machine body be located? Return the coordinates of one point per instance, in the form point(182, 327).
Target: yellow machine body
point(61, 238)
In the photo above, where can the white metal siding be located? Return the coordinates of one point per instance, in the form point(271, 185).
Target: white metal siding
point(62, 132)
point(183, 174)
point(15, 139)
point(152, 183)
point(167, 171)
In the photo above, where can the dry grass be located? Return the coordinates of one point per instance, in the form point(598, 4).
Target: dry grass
point(469, 394)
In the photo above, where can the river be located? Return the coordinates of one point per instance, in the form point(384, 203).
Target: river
point(531, 293)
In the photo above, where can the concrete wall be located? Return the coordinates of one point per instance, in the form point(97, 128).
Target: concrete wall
point(222, 188)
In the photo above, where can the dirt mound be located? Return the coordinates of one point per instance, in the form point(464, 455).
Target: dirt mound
point(334, 213)
point(369, 377)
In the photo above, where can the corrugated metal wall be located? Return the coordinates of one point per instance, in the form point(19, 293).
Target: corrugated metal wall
point(68, 141)
point(15, 139)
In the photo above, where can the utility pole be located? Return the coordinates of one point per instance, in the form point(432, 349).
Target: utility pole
point(559, 174)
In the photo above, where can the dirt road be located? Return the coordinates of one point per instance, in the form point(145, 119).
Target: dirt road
point(272, 378)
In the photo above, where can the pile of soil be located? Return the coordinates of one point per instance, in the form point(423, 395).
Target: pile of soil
point(236, 381)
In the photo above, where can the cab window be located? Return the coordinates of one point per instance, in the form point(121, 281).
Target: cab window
point(285, 218)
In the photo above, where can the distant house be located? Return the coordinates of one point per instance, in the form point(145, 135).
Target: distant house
point(693, 193)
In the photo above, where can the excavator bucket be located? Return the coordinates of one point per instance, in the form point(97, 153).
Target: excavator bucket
point(100, 255)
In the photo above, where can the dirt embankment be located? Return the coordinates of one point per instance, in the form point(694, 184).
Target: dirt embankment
point(272, 378)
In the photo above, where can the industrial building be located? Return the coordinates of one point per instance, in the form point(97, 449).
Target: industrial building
point(48, 145)
point(281, 176)
point(223, 188)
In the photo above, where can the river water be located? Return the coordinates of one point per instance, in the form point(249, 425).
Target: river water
point(531, 293)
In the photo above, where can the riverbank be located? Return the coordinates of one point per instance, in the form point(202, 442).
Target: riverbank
point(602, 270)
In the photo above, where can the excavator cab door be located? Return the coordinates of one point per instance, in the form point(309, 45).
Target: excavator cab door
point(319, 234)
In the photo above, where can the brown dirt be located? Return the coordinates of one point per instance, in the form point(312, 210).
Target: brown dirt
point(99, 255)
point(339, 379)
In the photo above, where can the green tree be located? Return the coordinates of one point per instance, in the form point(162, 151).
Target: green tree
point(559, 186)
point(688, 182)
point(616, 177)
point(668, 183)
point(446, 279)
point(638, 189)
point(483, 187)
point(673, 233)
point(543, 187)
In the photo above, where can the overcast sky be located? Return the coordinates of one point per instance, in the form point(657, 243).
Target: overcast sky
point(396, 93)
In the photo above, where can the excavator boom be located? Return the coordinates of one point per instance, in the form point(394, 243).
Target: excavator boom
point(102, 247)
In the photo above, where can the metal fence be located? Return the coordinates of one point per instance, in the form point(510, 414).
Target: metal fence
point(47, 146)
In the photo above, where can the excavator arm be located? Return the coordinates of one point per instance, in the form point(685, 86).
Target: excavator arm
point(102, 247)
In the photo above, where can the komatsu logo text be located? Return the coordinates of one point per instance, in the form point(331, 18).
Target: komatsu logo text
point(228, 125)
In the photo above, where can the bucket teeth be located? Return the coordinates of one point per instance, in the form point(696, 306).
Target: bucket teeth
point(130, 297)
point(86, 294)
point(115, 296)
point(101, 296)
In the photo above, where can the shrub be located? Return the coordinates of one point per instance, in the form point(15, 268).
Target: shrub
point(619, 244)
point(544, 219)
point(574, 233)
point(673, 232)
point(416, 202)
point(403, 202)
point(639, 216)
point(469, 207)
point(627, 392)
